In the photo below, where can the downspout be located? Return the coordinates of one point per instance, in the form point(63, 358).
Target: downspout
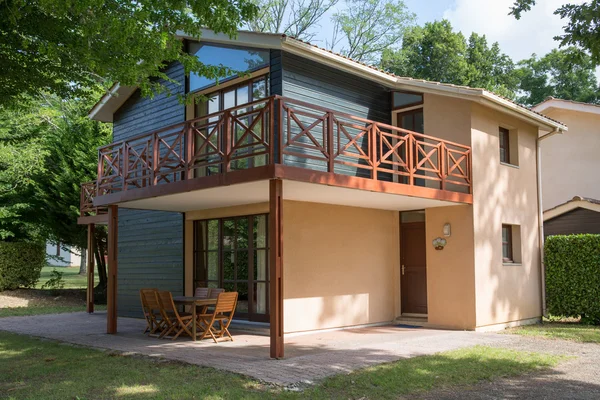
point(541, 215)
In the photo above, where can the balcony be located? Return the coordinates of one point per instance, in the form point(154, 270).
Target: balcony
point(278, 137)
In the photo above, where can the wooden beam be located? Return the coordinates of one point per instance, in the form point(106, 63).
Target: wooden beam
point(276, 266)
point(111, 301)
point(90, 268)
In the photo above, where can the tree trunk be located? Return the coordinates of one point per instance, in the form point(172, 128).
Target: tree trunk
point(100, 255)
point(83, 262)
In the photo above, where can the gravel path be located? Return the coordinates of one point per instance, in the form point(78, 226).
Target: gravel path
point(577, 378)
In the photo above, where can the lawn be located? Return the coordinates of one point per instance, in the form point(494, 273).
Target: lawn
point(70, 275)
point(32, 369)
point(560, 330)
point(38, 310)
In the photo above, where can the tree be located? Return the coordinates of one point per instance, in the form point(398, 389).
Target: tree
point(435, 52)
point(62, 47)
point(361, 31)
point(296, 18)
point(39, 195)
point(489, 68)
point(582, 28)
point(567, 74)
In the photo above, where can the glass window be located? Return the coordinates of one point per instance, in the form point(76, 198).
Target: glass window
point(406, 99)
point(236, 58)
point(504, 145)
point(507, 244)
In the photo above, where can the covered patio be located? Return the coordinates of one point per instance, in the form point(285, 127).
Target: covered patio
point(309, 357)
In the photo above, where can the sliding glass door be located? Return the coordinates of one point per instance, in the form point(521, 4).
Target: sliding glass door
point(232, 253)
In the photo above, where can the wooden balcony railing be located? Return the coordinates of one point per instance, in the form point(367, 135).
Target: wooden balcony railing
point(308, 137)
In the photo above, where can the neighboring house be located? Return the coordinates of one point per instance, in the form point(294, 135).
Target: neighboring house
point(322, 190)
point(570, 165)
point(578, 215)
point(60, 255)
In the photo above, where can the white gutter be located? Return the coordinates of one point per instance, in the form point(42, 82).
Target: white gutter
point(541, 215)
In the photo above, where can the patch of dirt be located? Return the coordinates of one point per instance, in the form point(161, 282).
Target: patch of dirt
point(41, 298)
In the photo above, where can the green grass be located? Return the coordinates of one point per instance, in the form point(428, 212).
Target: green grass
point(39, 310)
point(33, 369)
point(560, 330)
point(70, 275)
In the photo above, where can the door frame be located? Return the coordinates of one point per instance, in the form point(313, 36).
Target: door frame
point(400, 223)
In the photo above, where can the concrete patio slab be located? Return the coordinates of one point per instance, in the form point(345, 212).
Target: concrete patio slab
point(309, 357)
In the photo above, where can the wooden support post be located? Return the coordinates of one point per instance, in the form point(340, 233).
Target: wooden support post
point(276, 266)
point(90, 268)
point(111, 292)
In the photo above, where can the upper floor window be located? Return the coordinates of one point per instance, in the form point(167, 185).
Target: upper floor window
point(236, 58)
point(406, 99)
point(504, 135)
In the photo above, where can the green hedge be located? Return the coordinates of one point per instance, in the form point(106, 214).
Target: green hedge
point(573, 276)
point(20, 264)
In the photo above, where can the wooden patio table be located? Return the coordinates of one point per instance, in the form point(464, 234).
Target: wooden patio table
point(194, 301)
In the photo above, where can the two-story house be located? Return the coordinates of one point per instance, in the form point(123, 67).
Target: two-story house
point(570, 183)
point(326, 192)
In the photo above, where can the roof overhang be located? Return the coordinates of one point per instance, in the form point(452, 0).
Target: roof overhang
point(552, 104)
point(111, 102)
point(576, 202)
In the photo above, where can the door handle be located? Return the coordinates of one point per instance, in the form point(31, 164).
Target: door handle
point(402, 269)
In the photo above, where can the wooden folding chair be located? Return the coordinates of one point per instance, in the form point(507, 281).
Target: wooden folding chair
point(213, 293)
point(223, 314)
point(202, 292)
point(174, 321)
point(149, 314)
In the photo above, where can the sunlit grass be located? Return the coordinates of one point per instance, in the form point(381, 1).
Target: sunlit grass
point(37, 369)
point(70, 275)
point(560, 330)
point(39, 310)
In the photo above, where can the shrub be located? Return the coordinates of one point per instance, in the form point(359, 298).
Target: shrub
point(573, 276)
point(55, 283)
point(20, 264)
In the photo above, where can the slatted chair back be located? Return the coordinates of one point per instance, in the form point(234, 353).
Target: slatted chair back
point(147, 309)
point(149, 299)
point(226, 303)
point(176, 323)
point(214, 293)
point(202, 292)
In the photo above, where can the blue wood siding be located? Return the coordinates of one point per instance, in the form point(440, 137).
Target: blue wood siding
point(328, 87)
point(150, 242)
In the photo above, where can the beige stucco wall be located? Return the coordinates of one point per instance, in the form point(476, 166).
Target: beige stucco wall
point(504, 194)
point(450, 277)
point(340, 266)
point(571, 161)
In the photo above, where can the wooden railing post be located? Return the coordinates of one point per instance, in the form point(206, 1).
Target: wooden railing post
point(189, 151)
point(410, 142)
point(125, 169)
point(280, 133)
point(228, 141)
point(442, 165)
point(155, 157)
point(271, 125)
point(330, 147)
point(373, 150)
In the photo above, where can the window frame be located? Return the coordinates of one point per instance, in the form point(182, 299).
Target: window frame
point(417, 103)
point(504, 144)
point(245, 83)
point(509, 243)
point(221, 81)
point(251, 314)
